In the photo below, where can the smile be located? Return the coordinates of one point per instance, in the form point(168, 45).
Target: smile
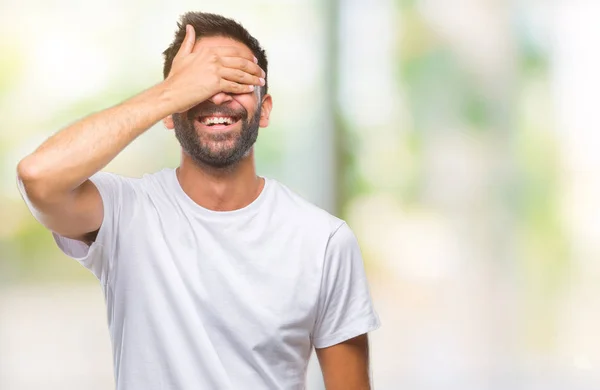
point(217, 122)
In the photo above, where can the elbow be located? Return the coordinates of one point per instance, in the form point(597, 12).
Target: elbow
point(27, 170)
point(30, 179)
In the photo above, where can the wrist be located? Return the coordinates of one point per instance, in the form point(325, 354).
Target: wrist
point(165, 98)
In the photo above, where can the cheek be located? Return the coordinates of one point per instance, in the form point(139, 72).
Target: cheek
point(248, 101)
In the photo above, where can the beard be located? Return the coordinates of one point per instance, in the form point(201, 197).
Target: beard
point(216, 150)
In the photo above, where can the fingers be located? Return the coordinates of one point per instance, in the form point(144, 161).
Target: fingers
point(188, 41)
point(239, 73)
point(241, 77)
point(232, 51)
point(244, 65)
point(236, 88)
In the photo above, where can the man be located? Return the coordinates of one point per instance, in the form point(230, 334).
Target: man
point(214, 277)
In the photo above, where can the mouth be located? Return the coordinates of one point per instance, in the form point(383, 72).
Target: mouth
point(218, 122)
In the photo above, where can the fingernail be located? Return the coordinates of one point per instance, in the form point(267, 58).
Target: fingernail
point(264, 73)
point(251, 87)
point(262, 81)
point(255, 60)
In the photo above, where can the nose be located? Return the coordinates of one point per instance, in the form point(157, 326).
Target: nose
point(220, 98)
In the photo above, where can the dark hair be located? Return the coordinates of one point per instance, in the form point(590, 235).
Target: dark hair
point(212, 25)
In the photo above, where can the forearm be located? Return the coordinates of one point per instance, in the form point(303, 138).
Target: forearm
point(72, 155)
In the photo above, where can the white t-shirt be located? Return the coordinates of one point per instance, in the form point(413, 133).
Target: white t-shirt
point(200, 299)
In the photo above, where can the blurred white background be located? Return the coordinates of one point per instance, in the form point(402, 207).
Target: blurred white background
point(457, 138)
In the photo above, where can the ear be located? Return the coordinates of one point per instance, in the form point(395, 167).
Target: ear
point(168, 122)
point(265, 113)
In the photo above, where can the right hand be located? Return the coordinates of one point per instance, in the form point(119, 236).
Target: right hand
point(196, 76)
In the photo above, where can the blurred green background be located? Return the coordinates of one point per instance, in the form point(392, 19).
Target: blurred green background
point(458, 138)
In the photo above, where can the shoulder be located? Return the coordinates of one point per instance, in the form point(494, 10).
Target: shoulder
point(303, 213)
point(146, 180)
point(122, 186)
point(159, 180)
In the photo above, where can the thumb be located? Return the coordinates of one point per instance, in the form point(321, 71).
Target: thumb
point(188, 41)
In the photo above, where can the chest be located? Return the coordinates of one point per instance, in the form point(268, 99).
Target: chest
point(255, 281)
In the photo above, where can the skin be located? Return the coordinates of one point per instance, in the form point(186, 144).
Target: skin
point(345, 366)
point(235, 186)
point(212, 71)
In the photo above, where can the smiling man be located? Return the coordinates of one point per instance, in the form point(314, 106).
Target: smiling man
point(214, 277)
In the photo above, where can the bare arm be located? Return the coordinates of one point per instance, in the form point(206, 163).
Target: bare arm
point(72, 155)
point(56, 175)
point(345, 366)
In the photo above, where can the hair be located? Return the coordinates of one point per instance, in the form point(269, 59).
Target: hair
point(212, 25)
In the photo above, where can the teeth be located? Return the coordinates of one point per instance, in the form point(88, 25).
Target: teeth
point(217, 120)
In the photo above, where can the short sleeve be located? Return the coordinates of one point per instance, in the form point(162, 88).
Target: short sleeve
point(98, 256)
point(344, 308)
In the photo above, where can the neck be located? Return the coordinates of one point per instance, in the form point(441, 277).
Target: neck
point(218, 189)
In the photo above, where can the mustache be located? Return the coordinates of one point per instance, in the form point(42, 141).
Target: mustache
point(209, 109)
